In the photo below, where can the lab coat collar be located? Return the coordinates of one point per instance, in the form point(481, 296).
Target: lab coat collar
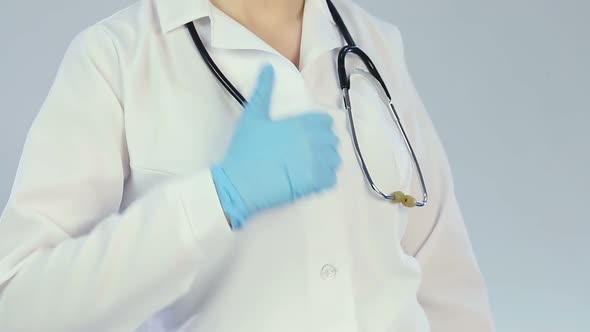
point(175, 13)
point(320, 33)
point(319, 28)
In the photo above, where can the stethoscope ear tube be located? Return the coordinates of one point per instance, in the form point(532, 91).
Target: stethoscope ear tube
point(226, 83)
point(340, 23)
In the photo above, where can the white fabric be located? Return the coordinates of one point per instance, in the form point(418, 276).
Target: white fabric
point(113, 223)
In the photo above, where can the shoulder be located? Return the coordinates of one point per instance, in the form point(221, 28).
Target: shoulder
point(109, 44)
point(365, 26)
point(380, 39)
point(383, 42)
point(120, 31)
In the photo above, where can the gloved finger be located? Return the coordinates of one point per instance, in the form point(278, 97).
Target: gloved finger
point(323, 137)
point(325, 177)
point(326, 162)
point(259, 104)
point(331, 158)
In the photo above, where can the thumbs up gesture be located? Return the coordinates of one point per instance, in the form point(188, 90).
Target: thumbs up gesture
point(271, 163)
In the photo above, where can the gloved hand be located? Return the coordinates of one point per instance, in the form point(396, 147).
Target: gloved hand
point(270, 163)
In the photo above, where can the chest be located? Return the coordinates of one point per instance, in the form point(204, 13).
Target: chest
point(285, 39)
point(179, 118)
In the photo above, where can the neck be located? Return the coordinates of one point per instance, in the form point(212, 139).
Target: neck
point(271, 11)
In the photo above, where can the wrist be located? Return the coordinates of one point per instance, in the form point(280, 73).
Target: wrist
point(230, 199)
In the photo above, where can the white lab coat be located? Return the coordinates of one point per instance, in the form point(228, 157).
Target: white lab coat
point(114, 224)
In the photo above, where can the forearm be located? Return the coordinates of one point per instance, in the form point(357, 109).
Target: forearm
point(136, 262)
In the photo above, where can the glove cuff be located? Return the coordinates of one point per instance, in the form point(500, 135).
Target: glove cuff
point(230, 199)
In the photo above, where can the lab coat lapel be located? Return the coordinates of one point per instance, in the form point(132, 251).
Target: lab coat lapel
point(227, 33)
point(173, 14)
point(290, 96)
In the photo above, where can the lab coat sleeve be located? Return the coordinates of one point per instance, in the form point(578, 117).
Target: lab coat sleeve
point(70, 260)
point(452, 291)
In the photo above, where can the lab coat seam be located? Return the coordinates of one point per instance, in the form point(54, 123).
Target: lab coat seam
point(12, 271)
point(125, 148)
point(44, 219)
point(194, 233)
point(134, 165)
point(88, 46)
point(121, 94)
point(12, 268)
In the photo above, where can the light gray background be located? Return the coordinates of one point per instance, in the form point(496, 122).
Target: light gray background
point(507, 84)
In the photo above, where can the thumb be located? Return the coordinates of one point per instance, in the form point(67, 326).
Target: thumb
point(259, 104)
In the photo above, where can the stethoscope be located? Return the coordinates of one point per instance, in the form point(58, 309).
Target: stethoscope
point(396, 197)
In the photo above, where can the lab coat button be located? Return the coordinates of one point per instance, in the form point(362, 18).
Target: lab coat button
point(328, 272)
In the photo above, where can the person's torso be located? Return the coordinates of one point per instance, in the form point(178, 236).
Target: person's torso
point(328, 262)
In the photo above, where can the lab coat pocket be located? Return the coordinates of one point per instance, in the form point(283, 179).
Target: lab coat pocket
point(141, 180)
point(380, 140)
point(181, 132)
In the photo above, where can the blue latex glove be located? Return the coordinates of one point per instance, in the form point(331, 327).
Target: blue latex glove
point(270, 163)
